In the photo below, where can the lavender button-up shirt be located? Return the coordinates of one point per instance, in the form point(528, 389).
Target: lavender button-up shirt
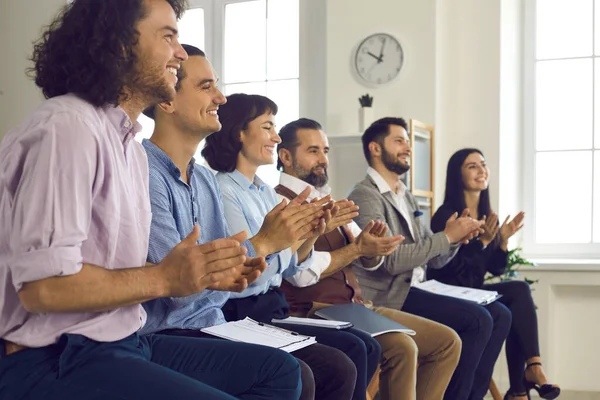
point(73, 190)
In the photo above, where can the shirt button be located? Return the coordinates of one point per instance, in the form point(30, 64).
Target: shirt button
point(195, 219)
point(127, 124)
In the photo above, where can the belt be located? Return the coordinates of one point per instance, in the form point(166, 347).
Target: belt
point(10, 348)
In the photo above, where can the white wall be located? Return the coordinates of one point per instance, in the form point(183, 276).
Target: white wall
point(412, 94)
point(20, 24)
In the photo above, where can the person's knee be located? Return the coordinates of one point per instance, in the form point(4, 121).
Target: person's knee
point(519, 290)
point(353, 346)
point(287, 371)
point(308, 382)
point(373, 349)
point(482, 321)
point(503, 318)
point(398, 347)
point(343, 369)
point(450, 342)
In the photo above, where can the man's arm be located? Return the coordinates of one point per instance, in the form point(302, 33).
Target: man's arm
point(408, 256)
point(187, 269)
point(111, 289)
point(371, 244)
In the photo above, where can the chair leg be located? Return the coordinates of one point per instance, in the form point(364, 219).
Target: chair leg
point(496, 395)
point(373, 387)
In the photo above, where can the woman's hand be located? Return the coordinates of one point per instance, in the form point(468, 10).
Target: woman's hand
point(508, 229)
point(490, 227)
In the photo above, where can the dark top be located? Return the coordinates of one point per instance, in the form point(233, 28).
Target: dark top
point(472, 262)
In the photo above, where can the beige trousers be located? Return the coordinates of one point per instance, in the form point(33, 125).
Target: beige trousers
point(416, 367)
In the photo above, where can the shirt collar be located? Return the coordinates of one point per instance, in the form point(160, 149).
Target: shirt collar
point(162, 157)
point(122, 123)
point(298, 185)
point(244, 182)
point(382, 184)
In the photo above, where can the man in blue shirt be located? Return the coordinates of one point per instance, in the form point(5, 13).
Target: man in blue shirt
point(183, 193)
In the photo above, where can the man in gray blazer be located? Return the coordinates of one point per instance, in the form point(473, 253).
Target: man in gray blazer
point(383, 196)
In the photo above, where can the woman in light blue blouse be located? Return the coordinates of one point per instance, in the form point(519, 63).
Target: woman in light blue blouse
point(247, 141)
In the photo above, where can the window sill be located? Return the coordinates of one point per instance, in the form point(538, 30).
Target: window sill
point(570, 265)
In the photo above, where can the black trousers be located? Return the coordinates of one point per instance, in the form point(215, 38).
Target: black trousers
point(522, 341)
point(363, 351)
point(481, 329)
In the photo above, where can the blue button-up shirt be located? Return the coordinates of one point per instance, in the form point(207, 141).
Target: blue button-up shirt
point(176, 207)
point(246, 205)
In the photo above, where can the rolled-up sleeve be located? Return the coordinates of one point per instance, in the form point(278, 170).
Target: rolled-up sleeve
point(312, 274)
point(52, 208)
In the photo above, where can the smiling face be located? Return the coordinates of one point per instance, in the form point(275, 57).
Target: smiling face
point(395, 154)
point(475, 173)
point(197, 101)
point(159, 54)
point(260, 140)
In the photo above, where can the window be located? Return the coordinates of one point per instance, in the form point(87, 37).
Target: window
point(254, 47)
point(563, 115)
point(266, 32)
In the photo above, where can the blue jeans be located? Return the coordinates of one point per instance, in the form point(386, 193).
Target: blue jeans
point(481, 329)
point(148, 367)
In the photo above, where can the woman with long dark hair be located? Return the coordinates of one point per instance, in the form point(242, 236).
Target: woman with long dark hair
point(467, 187)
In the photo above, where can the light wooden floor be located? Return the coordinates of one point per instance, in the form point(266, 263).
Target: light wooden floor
point(570, 395)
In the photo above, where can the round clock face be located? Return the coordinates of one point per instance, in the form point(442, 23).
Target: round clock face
point(379, 58)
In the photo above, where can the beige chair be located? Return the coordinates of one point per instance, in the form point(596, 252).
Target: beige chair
point(373, 387)
point(496, 395)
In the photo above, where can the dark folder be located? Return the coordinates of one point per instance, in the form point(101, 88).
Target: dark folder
point(363, 318)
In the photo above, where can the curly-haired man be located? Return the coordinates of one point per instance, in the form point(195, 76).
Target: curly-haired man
point(75, 224)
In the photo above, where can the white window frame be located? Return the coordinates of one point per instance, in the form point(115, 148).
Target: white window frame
point(531, 248)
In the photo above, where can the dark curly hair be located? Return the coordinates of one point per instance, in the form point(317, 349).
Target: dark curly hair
point(88, 49)
point(222, 148)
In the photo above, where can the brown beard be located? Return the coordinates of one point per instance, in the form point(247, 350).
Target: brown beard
point(391, 163)
point(148, 82)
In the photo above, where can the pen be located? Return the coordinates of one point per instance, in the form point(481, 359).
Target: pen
point(276, 327)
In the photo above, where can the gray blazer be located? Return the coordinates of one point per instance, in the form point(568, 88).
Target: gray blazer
point(388, 285)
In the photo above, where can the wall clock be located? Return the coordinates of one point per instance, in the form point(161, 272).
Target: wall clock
point(379, 59)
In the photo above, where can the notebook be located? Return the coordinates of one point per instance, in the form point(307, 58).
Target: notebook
point(320, 323)
point(249, 331)
point(363, 318)
point(479, 296)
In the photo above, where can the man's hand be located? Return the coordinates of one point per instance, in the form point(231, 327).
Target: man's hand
point(288, 223)
point(248, 273)
point(463, 229)
point(372, 241)
point(490, 227)
point(190, 268)
point(346, 212)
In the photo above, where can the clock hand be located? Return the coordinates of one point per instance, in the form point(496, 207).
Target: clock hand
point(381, 52)
point(375, 57)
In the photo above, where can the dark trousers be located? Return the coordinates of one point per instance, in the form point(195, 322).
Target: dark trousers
point(522, 341)
point(148, 367)
point(362, 349)
point(481, 329)
point(306, 374)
